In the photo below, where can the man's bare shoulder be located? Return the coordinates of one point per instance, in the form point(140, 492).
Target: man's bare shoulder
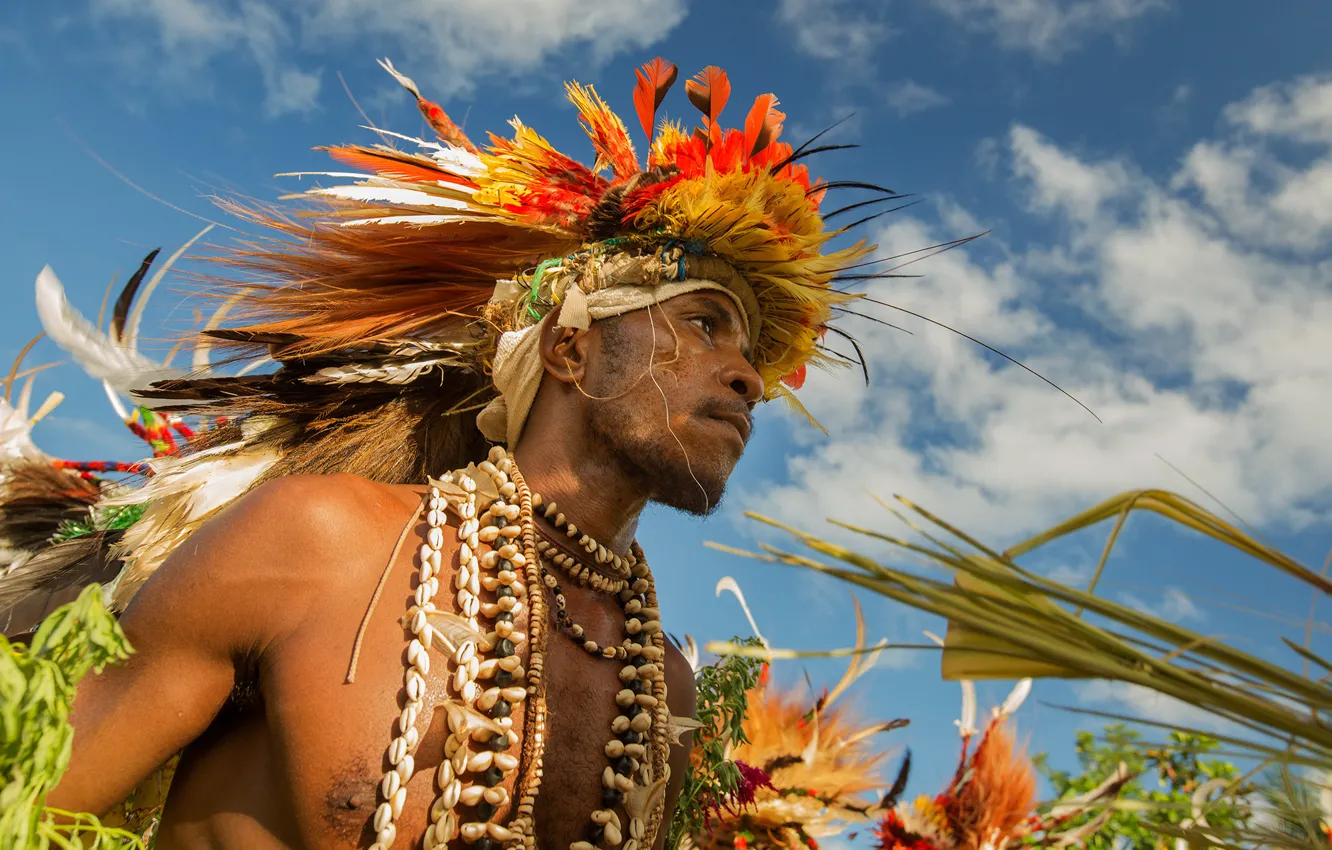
point(286, 543)
point(334, 504)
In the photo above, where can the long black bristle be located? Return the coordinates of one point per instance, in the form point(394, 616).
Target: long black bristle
point(852, 184)
point(952, 243)
point(899, 784)
point(987, 347)
point(853, 225)
point(850, 312)
point(122, 308)
point(779, 166)
point(796, 157)
point(860, 204)
point(864, 367)
point(872, 276)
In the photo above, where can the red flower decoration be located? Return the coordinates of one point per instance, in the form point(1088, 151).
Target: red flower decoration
point(796, 379)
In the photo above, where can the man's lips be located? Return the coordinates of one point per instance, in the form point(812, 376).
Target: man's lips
point(740, 421)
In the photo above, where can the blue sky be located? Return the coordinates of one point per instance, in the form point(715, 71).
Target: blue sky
point(1156, 177)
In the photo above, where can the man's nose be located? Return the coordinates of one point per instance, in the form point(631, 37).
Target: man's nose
point(741, 376)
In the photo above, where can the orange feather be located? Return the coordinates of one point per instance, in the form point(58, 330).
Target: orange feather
point(443, 125)
point(654, 79)
point(763, 124)
point(709, 91)
point(401, 166)
point(610, 138)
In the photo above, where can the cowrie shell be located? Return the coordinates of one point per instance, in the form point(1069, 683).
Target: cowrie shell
point(451, 793)
point(383, 816)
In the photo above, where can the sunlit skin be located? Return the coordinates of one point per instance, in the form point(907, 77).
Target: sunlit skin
point(650, 407)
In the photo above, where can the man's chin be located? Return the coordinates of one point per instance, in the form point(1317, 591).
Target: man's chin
point(695, 505)
point(697, 496)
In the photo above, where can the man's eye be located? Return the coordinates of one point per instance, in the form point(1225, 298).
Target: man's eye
point(705, 324)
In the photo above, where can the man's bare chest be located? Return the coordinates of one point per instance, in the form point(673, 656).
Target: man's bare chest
point(331, 738)
point(328, 730)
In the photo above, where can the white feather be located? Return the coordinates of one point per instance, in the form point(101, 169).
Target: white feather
point(1015, 698)
point(691, 652)
point(15, 436)
point(200, 362)
point(459, 160)
point(392, 195)
point(253, 365)
point(121, 367)
point(217, 482)
point(52, 402)
point(356, 175)
point(428, 145)
point(966, 726)
point(728, 583)
point(411, 219)
point(359, 374)
point(811, 750)
point(25, 398)
point(116, 404)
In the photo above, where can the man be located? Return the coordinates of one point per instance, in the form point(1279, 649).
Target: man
point(351, 656)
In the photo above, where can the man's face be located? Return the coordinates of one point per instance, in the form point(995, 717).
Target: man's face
point(671, 391)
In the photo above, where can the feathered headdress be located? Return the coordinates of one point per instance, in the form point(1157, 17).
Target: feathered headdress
point(374, 319)
point(434, 252)
point(810, 765)
point(990, 803)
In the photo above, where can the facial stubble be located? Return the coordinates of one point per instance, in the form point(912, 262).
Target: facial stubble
point(627, 391)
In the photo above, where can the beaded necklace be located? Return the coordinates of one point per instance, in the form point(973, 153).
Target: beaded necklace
point(488, 677)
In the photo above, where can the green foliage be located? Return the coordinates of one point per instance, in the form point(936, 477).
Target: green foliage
point(722, 703)
point(1294, 815)
point(36, 692)
point(1166, 779)
point(101, 518)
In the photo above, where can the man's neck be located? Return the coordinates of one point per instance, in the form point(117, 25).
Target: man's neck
point(592, 494)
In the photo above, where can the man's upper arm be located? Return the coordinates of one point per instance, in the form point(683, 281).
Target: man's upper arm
point(223, 596)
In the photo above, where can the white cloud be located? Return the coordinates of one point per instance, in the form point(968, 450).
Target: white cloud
point(833, 29)
point(1057, 179)
point(1069, 574)
point(446, 45)
point(1253, 193)
point(1137, 701)
point(909, 97)
point(192, 34)
point(1175, 606)
point(1205, 341)
point(1046, 28)
point(1301, 109)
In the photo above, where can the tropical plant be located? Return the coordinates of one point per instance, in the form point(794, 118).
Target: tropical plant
point(713, 779)
point(37, 685)
point(1005, 621)
point(1165, 781)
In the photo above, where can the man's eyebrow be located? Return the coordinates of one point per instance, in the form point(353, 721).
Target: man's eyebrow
point(714, 308)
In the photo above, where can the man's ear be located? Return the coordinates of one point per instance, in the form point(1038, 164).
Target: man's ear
point(564, 352)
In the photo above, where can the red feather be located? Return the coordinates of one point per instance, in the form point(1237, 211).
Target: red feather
point(796, 379)
point(654, 79)
point(728, 151)
point(763, 124)
point(709, 91)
